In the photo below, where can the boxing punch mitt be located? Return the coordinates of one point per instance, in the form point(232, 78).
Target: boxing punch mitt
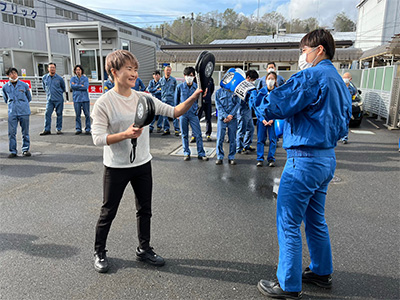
point(235, 81)
point(204, 68)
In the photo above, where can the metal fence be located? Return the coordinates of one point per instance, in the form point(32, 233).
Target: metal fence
point(37, 91)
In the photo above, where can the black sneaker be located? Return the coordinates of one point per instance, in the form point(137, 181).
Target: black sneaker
point(59, 132)
point(12, 155)
point(45, 132)
point(273, 289)
point(101, 262)
point(324, 281)
point(271, 163)
point(177, 133)
point(203, 158)
point(232, 162)
point(26, 153)
point(78, 132)
point(149, 256)
point(186, 157)
point(260, 163)
point(193, 139)
point(166, 132)
point(88, 133)
point(159, 130)
point(218, 162)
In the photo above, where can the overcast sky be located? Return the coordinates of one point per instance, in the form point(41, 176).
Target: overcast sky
point(155, 12)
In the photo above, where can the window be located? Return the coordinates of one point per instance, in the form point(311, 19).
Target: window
point(29, 3)
point(88, 61)
point(67, 14)
point(19, 20)
point(125, 45)
point(74, 16)
point(30, 23)
point(125, 31)
point(59, 11)
point(146, 38)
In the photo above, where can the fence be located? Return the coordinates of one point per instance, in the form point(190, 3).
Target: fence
point(38, 94)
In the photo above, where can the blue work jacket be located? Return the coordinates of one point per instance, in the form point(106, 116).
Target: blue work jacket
point(17, 97)
point(352, 90)
point(258, 106)
point(315, 104)
point(182, 93)
point(79, 88)
point(54, 87)
point(139, 85)
point(108, 85)
point(154, 88)
point(227, 103)
point(262, 82)
point(168, 87)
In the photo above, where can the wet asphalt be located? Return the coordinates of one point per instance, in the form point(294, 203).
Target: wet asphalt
point(214, 225)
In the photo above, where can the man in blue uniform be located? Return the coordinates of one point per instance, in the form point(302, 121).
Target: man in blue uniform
point(168, 86)
point(271, 67)
point(183, 91)
point(227, 104)
point(108, 85)
point(139, 85)
point(54, 87)
point(17, 95)
point(245, 130)
point(316, 106)
point(154, 88)
point(80, 96)
point(353, 92)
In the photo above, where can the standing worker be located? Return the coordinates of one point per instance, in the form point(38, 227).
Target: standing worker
point(353, 92)
point(54, 86)
point(168, 86)
point(154, 88)
point(139, 85)
point(316, 106)
point(17, 95)
point(271, 67)
point(80, 96)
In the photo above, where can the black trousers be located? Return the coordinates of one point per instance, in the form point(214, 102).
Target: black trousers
point(115, 181)
point(206, 107)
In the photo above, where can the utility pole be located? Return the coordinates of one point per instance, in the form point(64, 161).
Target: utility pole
point(191, 29)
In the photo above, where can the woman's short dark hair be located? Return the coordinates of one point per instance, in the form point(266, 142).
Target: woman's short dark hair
point(80, 67)
point(10, 70)
point(189, 70)
point(320, 37)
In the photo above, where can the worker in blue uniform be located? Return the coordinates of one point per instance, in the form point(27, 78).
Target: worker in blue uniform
point(316, 106)
point(168, 86)
point(245, 131)
point(227, 104)
point(80, 95)
point(183, 91)
point(271, 67)
point(139, 85)
point(108, 85)
point(17, 95)
point(154, 88)
point(265, 127)
point(54, 86)
point(353, 92)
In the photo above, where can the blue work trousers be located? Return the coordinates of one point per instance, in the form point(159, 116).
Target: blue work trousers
point(50, 107)
point(262, 132)
point(194, 122)
point(175, 122)
point(221, 130)
point(159, 120)
point(245, 131)
point(79, 106)
point(12, 132)
point(301, 197)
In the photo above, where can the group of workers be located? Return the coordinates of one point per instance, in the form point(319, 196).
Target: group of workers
point(314, 102)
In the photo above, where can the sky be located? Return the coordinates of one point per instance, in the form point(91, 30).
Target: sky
point(157, 12)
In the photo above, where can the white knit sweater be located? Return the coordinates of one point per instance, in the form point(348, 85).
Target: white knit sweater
point(114, 113)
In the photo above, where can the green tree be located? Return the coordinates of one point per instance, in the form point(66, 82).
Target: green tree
point(343, 24)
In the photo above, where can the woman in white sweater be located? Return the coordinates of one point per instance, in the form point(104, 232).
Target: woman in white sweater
point(113, 128)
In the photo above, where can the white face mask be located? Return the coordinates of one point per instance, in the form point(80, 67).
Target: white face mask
point(270, 83)
point(13, 80)
point(303, 64)
point(189, 79)
point(271, 70)
point(346, 80)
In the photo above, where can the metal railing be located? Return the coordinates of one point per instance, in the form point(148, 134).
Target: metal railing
point(37, 91)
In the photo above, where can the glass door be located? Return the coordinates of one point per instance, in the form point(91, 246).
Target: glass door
point(88, 60)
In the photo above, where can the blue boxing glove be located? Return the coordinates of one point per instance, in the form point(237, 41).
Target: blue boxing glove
point(235, 81)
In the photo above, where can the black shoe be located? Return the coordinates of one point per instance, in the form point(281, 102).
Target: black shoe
point(218, 162)
point(193, 139)
point(260, 163)
point(251, 149)
point(59, 132)
point(159, 130)
point(166, 132)
point(232, 162)
point(101, 262)
point(324, 281)
point(45, 132)
point(78, 132)
point(177, 133)
point(149, 256)
point(344, 141)
point(26, 153)
point(208, 138)
point(12, 155)
point(271, 163)
point(273, 289)
point(203, 158)
point(88, 133)
point(186, 157)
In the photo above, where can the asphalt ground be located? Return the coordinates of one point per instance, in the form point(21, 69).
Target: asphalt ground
point(214, 225)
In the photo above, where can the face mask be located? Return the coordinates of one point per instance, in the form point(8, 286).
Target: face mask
point(303, 64)
point(189, 79)
point(13, 80)
point(270, 83)
point(271, 70)
point(346, 80)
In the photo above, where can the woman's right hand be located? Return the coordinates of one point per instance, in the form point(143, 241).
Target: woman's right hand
point(133, 132)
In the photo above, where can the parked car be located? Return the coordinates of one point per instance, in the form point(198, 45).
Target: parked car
point(357, 109)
